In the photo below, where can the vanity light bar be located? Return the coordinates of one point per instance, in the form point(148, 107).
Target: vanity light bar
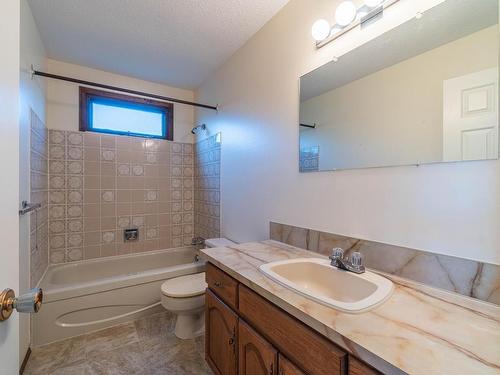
point(364, 16)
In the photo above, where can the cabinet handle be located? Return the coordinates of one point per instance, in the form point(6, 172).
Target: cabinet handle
point(232, 340)
point(218, 284)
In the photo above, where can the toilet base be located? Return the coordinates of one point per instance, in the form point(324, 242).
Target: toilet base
point(189, 326)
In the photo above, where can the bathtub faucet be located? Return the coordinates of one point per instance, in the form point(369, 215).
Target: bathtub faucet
point(198, 241)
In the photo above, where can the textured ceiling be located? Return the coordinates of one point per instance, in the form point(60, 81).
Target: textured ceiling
point(176, 42)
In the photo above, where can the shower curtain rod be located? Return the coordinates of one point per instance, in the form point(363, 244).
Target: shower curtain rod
point(114, 88)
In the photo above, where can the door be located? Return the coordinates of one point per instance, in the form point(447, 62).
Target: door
point(470, 116)
point(256, 355)
point(9, 187)
point(221, 330)
point(288, 368)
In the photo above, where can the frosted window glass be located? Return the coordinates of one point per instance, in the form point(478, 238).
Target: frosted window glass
point(120, 119)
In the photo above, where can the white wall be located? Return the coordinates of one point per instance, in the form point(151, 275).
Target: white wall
point(9, 188)
point(401, 121)
point(450, 209)
point(32, 97)
point(63, 99)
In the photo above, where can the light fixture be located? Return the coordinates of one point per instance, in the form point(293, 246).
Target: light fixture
point(320, 30)
point(362, 13)
point(348, 17)
point(345, 13)
point(373, 3)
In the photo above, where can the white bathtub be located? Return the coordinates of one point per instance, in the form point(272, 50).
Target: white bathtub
point(89, 295)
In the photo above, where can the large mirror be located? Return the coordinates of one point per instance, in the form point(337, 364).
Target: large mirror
point(424, 92)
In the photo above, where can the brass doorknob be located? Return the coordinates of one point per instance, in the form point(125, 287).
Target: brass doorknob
point(27, 303)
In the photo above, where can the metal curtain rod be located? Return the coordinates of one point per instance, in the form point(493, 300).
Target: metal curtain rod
point(114, 88)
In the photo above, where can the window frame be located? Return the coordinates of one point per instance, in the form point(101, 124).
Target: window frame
point(89, 95)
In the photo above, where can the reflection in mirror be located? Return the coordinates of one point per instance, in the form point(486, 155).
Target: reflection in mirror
point(424, 92)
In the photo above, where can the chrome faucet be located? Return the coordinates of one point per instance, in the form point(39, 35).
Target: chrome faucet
point(352, 264)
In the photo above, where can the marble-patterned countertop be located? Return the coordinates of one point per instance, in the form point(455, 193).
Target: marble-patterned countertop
point(418, 330)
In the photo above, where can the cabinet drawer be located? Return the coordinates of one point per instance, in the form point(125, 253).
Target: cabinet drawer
point(223, 285)
point(356, 367)
point(315, 354)
point(288, 368)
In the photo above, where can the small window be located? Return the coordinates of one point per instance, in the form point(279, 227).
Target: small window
point(109, 112)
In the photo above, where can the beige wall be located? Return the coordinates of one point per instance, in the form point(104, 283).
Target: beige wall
point(63, 101)
point(401, 121)
point(450, 209)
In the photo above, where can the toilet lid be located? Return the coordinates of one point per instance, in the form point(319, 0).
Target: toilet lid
point(185, 286)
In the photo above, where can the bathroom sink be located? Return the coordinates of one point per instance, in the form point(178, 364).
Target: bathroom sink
point(316, 279)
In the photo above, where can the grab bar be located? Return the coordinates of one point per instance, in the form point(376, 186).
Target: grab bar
point(28, 207)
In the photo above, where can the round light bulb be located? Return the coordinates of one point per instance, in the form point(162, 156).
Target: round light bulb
point(373, 3)
point(345, 13)
point(320, 30)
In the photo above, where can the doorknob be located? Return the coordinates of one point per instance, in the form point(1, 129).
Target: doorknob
point(26, 303)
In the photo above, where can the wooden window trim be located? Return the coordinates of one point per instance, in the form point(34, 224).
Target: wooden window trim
point(86, 94)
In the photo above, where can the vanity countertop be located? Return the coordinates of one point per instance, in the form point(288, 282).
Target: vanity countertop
point(418, 330)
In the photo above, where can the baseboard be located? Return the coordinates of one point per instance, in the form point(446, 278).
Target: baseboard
point(25, 361)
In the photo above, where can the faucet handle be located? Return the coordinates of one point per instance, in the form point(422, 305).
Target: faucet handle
point(357, 259)
point(337, 253)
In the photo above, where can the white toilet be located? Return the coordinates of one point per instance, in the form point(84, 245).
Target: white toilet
point(185, 297)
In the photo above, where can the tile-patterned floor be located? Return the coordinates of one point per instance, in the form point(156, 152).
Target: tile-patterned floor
point(146, 346)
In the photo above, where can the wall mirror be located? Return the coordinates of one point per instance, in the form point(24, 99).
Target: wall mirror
point(424, 92)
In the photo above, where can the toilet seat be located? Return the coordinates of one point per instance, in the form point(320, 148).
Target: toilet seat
point(185, 286)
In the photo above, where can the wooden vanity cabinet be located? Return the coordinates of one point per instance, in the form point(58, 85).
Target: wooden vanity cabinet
point(248, 335)
point(256, 355)
point(286, 367)
point(314, 353)
point(221, 328)
point(223, 285)
point(356, 367)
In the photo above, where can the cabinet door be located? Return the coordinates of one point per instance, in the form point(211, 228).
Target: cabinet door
point(220, 336)
point(288, 368)
point(356, 367)
point(256, 355)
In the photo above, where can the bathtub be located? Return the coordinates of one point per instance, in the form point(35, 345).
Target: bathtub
point(85, 296)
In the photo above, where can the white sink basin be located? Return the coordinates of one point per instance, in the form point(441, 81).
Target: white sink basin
point(316, 279)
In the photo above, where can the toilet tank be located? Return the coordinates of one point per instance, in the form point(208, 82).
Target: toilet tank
point(218, 242)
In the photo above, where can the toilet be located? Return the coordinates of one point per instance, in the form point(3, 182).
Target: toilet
point(184, 296)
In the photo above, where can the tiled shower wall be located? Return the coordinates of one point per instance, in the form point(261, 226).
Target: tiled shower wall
point(38, 194)
point(101, 184)
point(207, 187)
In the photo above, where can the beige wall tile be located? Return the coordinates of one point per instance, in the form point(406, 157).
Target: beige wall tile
point(91, 210)
point(92, 182)
point(105, 183)
point(91, 252)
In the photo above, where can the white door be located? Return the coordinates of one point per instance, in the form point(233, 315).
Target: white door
point(470, 116)
point(9, 184)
